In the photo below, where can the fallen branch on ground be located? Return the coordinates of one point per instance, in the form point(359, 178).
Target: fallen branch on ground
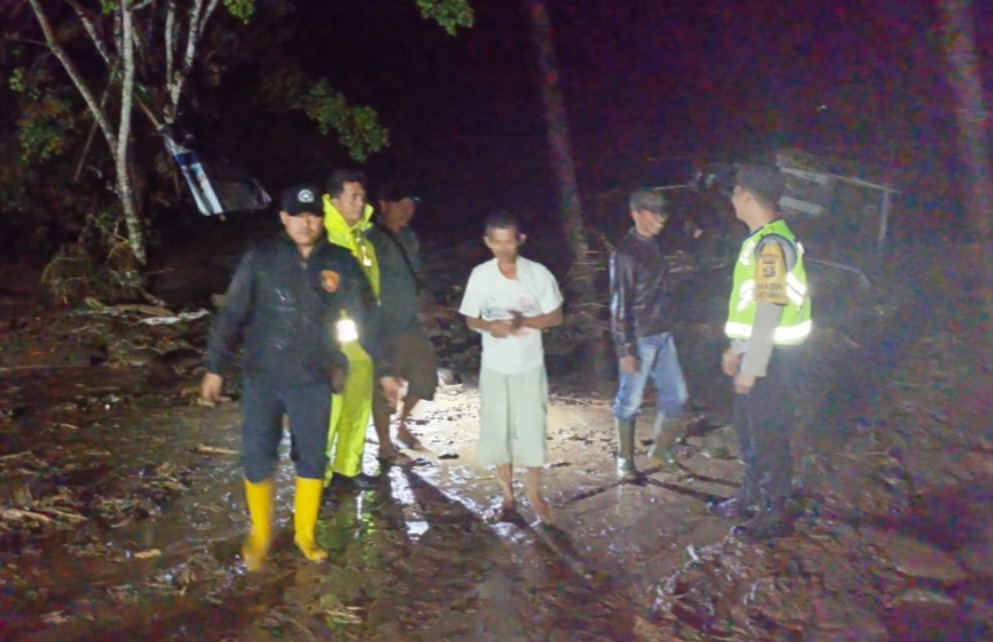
point(72, 517)
point(18, 514)
point(15, 455)
point(203, 449)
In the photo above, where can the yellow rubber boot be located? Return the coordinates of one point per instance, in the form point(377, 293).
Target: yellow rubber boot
point(256, 547)
point(306, 504)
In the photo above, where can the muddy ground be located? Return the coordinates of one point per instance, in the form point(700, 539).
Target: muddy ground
point(121, 509)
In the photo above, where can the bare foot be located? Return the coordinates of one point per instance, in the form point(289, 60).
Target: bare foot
point(408, 438)
point(542, 510)
point(394, 457)
point(387, 452)
point(506, 511)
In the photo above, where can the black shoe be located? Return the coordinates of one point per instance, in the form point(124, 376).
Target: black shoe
point(769, 524)
point(730, 508)
point(360, 481)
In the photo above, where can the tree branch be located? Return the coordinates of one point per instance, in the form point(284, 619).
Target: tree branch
point(206, 16)
point(127, 91)
point(176, 88)
point(93, 127)
point(170, 43)
point(74, 75)
point(92, 30)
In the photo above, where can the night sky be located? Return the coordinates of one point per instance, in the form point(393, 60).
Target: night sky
point(644, 79)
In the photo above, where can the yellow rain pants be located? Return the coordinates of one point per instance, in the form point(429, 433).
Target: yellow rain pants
point(350, 412)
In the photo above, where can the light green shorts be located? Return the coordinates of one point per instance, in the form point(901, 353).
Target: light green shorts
point(512, 418)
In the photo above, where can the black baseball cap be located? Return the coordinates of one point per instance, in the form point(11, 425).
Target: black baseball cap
point(302, 199)
point(395, 191)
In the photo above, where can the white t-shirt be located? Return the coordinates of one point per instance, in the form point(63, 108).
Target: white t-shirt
point(490, 295)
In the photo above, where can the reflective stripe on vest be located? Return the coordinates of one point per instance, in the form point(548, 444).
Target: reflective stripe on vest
point(783, 335)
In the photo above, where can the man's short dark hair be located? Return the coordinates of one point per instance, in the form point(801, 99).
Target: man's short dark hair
point(336, 183)
point(502, 221)
point(765, 183)
point(647, 198)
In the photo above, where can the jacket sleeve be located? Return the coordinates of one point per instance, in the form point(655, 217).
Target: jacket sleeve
point(622, 321)
point(228, 326)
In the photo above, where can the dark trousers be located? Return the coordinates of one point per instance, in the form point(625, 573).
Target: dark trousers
point(263, 405)
point(764, 421)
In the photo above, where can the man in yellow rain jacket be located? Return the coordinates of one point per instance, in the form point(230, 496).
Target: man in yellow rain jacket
point(346, 218)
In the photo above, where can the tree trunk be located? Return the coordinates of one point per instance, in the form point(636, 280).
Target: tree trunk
point(971, 113)
point(136, 236)
point(582, 275)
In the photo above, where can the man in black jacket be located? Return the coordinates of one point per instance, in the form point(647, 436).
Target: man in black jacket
point(641, 321)
point(285, 300)
point(401, 331)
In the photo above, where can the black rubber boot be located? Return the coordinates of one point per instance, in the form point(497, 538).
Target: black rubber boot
point(774, 521)
point(730, 508)
point(361, 481)
point(625, 450)
point(664, 435)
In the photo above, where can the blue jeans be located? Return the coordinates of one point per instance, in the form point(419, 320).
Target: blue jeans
point(657, 359)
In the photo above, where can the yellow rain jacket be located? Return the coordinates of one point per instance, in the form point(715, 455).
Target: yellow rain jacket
point(352, 408)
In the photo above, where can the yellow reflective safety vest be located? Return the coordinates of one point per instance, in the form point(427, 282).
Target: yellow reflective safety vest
point(353, 239)
point(795, 324)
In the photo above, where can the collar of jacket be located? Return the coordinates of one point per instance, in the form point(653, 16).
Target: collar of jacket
point(340, 232)
point(644, 239)
point(288, 243)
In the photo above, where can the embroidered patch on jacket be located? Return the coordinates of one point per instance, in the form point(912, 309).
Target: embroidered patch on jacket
point(770, 275)
point(330, 280)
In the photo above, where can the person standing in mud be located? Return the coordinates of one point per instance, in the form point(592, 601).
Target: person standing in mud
point(769, 318)
point(509, 300)
point(284, 300)
point(641, 323)
point(401, 333)
point(347, 217)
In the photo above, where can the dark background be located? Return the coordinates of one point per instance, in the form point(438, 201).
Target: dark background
point(641, 80)
point(650, 87)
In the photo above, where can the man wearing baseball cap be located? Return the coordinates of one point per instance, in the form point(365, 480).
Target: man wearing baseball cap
point(642, 320)
point(283, 304)
point(769, 318)
point(402, 334)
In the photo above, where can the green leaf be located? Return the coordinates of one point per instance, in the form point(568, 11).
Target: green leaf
point(241, 9)
point(358, 128)
point(450, 14)
point(16, 81)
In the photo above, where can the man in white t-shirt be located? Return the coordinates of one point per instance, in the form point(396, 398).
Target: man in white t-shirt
point(510, 300)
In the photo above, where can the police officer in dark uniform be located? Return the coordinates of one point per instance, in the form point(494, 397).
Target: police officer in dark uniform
point(284, 302)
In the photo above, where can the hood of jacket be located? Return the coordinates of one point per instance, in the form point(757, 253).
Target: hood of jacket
point(353, 239)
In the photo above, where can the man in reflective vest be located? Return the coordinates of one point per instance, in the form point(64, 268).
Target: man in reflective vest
point(346, 218)
point(768, 319)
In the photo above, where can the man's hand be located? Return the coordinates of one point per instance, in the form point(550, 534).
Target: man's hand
point(628, 364)
point(499, 328)
point(517, 320)
point(339, 377)
point(210, 390)
point(391, 390)
point(731, 362)
point(743, 383)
